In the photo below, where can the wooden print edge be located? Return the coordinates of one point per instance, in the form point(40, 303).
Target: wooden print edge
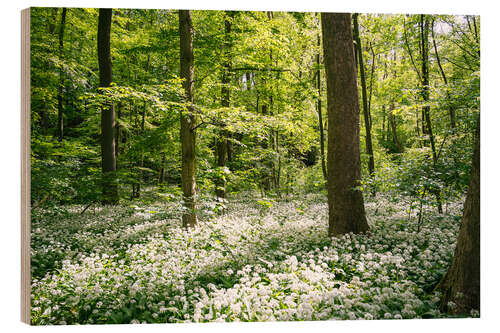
point(25, 168)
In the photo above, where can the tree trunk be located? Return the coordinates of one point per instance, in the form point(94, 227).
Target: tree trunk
point(141, 158)
point(366, 112)
point(460, 284)
point(53, 22)
point(427, 125)
point(161, 179)
point(188, 120)
point(110, 188)
point(345, 200)
point(394, 131)
point(320, 113)
point(222, 142)
point(445, 80)
point(60, 110)
point(371, 85)
point(118, 132)
point(383, 123)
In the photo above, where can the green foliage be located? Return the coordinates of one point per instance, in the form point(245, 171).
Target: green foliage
point(271, 123)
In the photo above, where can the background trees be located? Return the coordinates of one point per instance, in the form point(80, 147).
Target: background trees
point(258, 84)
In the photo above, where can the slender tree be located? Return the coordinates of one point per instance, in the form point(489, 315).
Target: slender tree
point(426, 115)
point(60, 90)
point(345, 201)
point(222, 142)
point(320, 111)
point(188, 120)
point(445, 80)
point(366, 112)
point(108, 157)
point(460, 284)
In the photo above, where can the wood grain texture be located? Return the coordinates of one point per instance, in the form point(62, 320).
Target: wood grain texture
point(25, 167)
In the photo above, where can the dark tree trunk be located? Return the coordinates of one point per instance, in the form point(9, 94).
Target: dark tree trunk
point(60, 107)
point(427, 124)
point(345, 200)
point(320, 113)
point(366, 112)
point(161, 179)
point(383, 123)
point(188, 120)
point(371, 85)
point(110, 189)
point(52, 24)
point(424, 36)
point(394, 130)
point(222, 142)
point(445, 80)
point(460, 285)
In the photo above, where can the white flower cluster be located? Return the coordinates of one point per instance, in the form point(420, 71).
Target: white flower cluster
point(122, 267)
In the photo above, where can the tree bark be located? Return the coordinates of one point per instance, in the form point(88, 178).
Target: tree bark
point(345, 200)
point(222, 142)
point(461, 283)
point(188, 120)
point(110, 188)
point(60, 108)
point(427, 124)
point(366, 112)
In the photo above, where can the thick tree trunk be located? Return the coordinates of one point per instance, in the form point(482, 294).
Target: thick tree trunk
point(345, 200)
point(366, 112)
point(460, 285)
point(188, 120)
point(110, 188)
point(60, 90)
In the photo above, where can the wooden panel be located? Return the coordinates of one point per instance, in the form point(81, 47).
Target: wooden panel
point(25, 167)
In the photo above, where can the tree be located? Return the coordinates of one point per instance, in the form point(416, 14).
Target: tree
point(366, 111)
point(426, 116)
point(319, 110)
point(445, 80)
point(345, 200)
point(222, 142)
point(60, 110)
point(188, 120)
point(108, 157)
point(460, 284)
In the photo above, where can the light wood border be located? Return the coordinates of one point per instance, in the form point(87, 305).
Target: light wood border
point(25, 167)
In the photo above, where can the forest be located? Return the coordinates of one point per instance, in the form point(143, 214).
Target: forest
point(200, 166)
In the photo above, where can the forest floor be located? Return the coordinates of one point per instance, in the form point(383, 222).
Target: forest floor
point(263, 260)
